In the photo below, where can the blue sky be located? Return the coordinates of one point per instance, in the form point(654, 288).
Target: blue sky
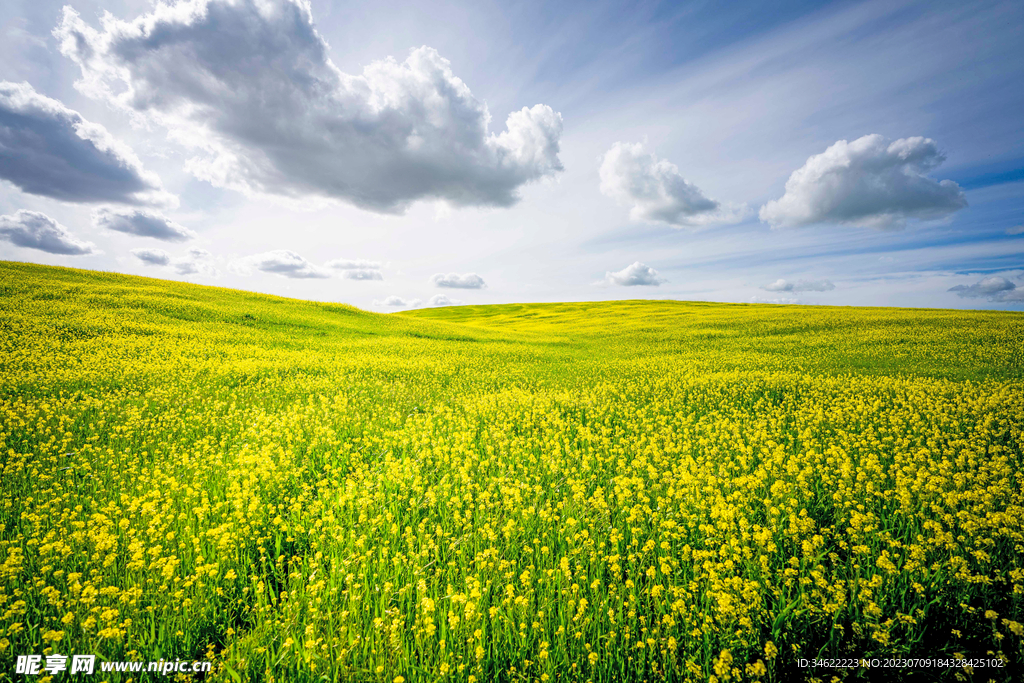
point(853, 153)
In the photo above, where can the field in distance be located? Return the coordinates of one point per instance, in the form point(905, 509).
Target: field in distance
point(612, 491)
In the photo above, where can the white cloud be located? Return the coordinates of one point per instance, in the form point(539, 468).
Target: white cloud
point(443, 300)
point(357, 269)
point(634, 274)
point(196, 262)
point(34, 230)
point(281, 262)
point(50, 150)
point(353, 264)
point(152, 257)
point(362, 274)
point(250, 87)
point(141, 223)
point(779, 300)
point(1015, 230)
point(781, 285)
point(869, 182)
point(398, 302)
point(994, 288)
point(656, 190)
point(458, 281)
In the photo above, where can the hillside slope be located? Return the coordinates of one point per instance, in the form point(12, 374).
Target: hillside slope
point(609, 491)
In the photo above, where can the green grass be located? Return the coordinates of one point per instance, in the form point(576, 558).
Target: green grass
point(306, 491)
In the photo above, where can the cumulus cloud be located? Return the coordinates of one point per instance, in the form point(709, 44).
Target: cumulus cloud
point(656, 191)
point(280, 262)
point(196, 262)
point(357, 269)
point(152, 257)
point(778, 300)
point(50, 150)
point(457, 281)
point(398, 302)
point(443, 300)
point(994, 288)
point(141, 223)
point(362, 274)
point(781, 285)
point(869, 182)
point(353, 264)
point(34, 230)
point(249, 85)
point(634, 274)
point(1015, 230)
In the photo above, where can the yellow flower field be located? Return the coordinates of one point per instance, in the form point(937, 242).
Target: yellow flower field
point(622, 491)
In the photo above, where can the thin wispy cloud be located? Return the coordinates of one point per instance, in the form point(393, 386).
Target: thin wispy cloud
point(274, 121)
point(34, 230)
point(50, 150)
point(249, 86)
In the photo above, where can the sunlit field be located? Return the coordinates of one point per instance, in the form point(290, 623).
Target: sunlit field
point(624, 491)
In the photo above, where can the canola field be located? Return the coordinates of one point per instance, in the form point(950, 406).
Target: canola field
point(614, 492)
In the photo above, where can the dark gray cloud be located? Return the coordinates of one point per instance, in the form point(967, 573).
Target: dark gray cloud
point(281, 262)
point(781, 285)
point(50, 150)
point(994, 288)
point(656, 191)
point(250, 86)
point(635, 274)
point(141, 223)
point(152, 257)
point(34, 230)
point(458, 281)
point(869, 182)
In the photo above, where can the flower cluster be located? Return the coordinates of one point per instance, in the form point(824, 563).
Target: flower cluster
point(604, 492)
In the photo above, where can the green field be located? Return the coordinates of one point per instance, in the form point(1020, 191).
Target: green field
point(614, 491)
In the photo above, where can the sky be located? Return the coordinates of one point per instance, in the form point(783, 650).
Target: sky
point(393, 155)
